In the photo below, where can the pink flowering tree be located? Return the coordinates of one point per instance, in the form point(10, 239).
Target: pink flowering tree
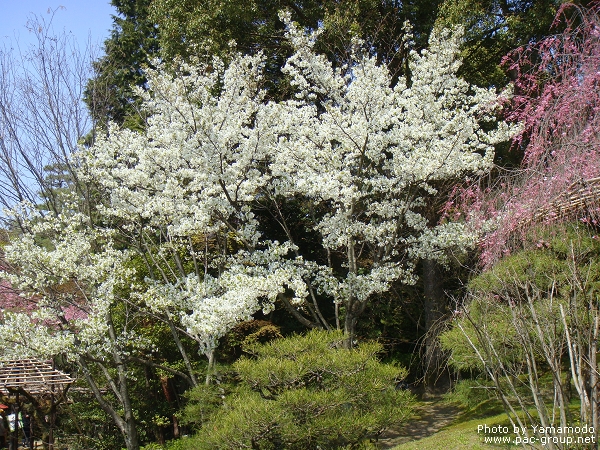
point(538, 307)
point(9, 299)
point(557, 101)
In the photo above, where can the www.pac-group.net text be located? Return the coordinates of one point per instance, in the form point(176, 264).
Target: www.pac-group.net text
point(499, 434)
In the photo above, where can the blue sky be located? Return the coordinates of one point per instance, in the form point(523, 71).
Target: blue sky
point(83, 18)
point(89, 21)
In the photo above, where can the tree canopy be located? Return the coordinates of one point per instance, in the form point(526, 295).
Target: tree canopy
point(299, 169)
point(131, 48)
point(189, 195)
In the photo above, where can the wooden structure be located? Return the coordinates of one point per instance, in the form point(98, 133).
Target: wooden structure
point(580, 196)
point(39, 382)
point(33, 376)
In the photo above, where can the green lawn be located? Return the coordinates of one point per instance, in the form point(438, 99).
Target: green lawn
point(462, 434)
point(477, 410)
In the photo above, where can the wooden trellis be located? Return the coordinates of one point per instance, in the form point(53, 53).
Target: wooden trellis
point(37, 380)
point(582, 196)
point(32, 376)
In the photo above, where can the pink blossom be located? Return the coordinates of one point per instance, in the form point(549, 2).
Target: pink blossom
point(557, 99)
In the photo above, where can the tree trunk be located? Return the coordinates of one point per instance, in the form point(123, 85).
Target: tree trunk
point(350, 320)
point(594, 375)
point(210, 354)
point(353, 310)
point(130, 428)
point(176, 431)
point(435, 373)
point(52, 418)
point(124, 417)
point(131, 437)
point(354, 307)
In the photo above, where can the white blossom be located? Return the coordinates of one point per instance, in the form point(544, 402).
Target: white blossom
point(362, 156)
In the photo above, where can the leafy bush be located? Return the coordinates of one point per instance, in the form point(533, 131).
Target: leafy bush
point(304, 392)
point(245, 333)
point(471, 394)
point(531, 324)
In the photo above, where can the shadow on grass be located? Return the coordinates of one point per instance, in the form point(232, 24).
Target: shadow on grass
point(486, 408)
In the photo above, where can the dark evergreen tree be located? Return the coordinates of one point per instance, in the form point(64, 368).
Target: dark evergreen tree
point(495, 27)
point(132, 46)
point(204, 28)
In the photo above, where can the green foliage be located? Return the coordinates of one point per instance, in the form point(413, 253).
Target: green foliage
point(549, 260)
point(496, 320)
point(176, 444)
point(246, 333)
point(537, 266)
point(545, 271)
point(131, 47)
point(145, 29)
point(531, 325)
point(204, 401)
point(206, 28)
point(83, 425)
point(302, 392)
point(492, 29)
point(470, 394)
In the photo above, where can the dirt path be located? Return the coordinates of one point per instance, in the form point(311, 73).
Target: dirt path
point(429, 419)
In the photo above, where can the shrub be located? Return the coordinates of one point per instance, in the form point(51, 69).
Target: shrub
point(306, 392)
point(531, 323)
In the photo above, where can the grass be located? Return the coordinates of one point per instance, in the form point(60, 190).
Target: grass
point(462, 434)
point(477, 409)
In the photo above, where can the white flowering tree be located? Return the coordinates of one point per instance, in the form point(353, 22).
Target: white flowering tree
point(235, 203)
point(70, 275)
point(370, 156)
point(183, 193)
